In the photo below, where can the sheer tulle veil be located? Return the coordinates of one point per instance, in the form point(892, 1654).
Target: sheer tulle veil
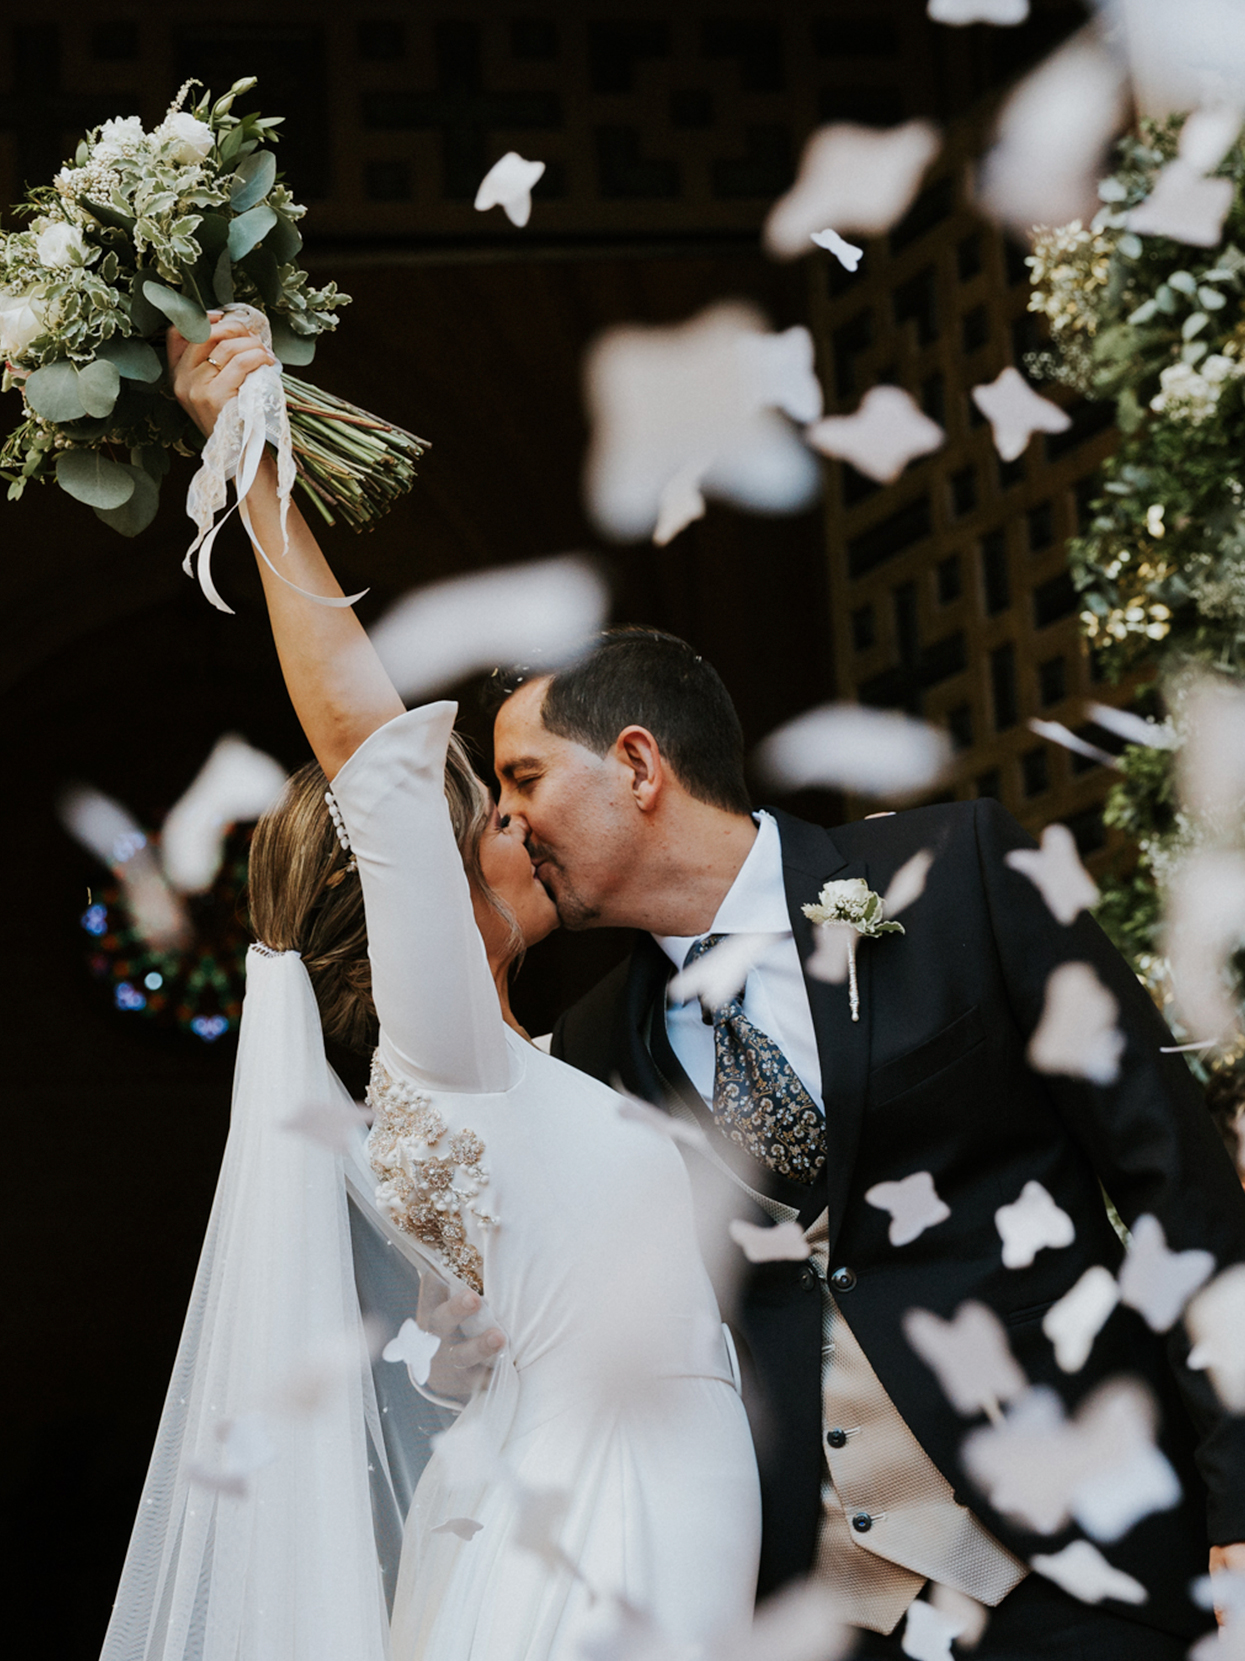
point(270, 1523)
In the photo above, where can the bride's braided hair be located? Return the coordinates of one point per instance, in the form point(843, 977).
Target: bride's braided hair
point(304, 898)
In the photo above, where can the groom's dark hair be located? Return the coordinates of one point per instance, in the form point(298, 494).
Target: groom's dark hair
point(646, 678)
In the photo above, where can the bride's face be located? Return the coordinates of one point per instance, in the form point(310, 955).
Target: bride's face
point(508, 870)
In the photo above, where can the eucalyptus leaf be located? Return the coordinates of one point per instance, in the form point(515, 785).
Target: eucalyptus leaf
point(90, 476)
point(1194, 352)
point(153, 459)
point(1211, 299)
point(231, 142)
point(144, 316)
point(53, 393)
point(1128, 411)
point(1130, 245)
point(1194, 324)
point(183, 314)
point(98, 386)
point(222, 279)
point(261, 268)
point(254, 179)
point(1144, 312)
point(1165, 299)
point(1183, 281)
point(293, 349)
point(139, 509)
point(213, 233)
point(249, 229)
point(284, 240)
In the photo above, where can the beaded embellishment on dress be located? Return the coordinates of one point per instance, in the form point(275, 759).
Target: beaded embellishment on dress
point(424, 1192)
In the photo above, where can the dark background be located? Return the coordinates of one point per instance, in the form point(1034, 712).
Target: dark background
point(116, 671)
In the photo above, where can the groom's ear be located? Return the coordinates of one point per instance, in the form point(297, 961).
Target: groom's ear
point(639, 754)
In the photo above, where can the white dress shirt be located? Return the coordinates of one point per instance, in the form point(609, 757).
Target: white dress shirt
point(774, 996)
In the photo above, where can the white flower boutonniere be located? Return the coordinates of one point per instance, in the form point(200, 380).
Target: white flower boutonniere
point(851, 906)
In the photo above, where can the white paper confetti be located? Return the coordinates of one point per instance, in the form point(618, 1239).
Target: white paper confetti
point(245, 1447)
point(722, 972)
point(236, 783)
point(1156, 1282)
point(847, 254)
point(859, 179)
point(970, 1355)
point(1052, 139)
point(887, 432)
point(1002, 13)
point(698, 408)
point(1205, 926)
point(1056, 871)
point(973, 1617)
point(1216, 1322)
point(833, 944)
point(508, 185)
point(875, 752)
point(1057, 733)
point(1154, 735)
point(416, 1348)
point(908, 883)
point(803, 1622)
point(113, 835)
point(1075, 1321)
point(913, 1203)
point(541, 1512)
point(538, 612)
point(929, 1633)
point(680, 503)
point(1100, 1469)
point(1015, 412)
point(1083, 1572)
point(1032, 1224)
point(779, 1243)
point(1210, 768)
point(1077, 1035)
point(1185, 206)
point(1208, 134)
point(1184, 56)
point(466, 1528)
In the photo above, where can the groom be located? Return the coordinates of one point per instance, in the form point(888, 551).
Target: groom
point(626, 770)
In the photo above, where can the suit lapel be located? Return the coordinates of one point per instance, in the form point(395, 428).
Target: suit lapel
point(810, 858)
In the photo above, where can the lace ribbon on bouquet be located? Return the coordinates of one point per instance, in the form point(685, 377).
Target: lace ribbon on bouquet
point(234, 450)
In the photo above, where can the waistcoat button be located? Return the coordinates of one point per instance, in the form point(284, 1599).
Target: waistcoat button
point(837, 1438)
point(843, 1279)
point(862, 1522)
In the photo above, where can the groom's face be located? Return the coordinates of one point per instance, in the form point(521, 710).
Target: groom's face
point(576, 807)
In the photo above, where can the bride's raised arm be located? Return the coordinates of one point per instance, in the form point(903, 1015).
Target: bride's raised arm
point(336, 682)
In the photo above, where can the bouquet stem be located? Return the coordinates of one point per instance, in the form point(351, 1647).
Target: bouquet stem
point(351, 464)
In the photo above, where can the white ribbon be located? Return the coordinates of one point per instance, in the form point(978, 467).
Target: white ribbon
point(255, 416)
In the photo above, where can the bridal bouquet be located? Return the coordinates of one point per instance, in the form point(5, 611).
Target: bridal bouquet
point(141, 230)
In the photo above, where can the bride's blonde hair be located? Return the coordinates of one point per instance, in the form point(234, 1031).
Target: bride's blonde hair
point(304, 898)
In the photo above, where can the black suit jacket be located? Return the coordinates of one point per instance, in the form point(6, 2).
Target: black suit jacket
point(934, 1077)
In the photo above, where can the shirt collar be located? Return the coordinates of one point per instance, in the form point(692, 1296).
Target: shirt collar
point(755, 903)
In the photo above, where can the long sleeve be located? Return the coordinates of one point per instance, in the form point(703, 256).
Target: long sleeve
point(440, 1021)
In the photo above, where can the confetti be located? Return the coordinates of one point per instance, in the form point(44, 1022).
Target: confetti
point(887, 432)
point(972, 1616)
point(928, 1632)
point(859, 178)
point(508, 185)
point(1083, 1572)
point(108, 830)
point(466, 1528)
point(1205, 926)
point(679, 505)
point(1216, 1322)
point(698, 407)
point(1185, 206)
point(1210, 769)
point(245, 1448)
point(1077, 1035)
point(1057, 733)
point(832, 952)
point(1032, 1224)
point(542, 611)
point(1004, 13)
point(1180, 54)
point(722, 972)
point(913, 1203)
point(1056, 872)
point(1075, 1321)
point(780, 1243)
point(541, 1512)
point(803, 1622)
point(416, 1348)
point(1015, 412)
point(908, 883)
point(847, 254)
point(1156, 1282)
point(875, 752)
point(970, 1355)
point(1207, 135)
point(1153, 734)
point(1052, 138)
point(235, 784)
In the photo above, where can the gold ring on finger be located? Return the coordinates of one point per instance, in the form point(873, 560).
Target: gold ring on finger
point(214, 363)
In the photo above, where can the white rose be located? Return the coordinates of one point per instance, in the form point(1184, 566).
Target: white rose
point(21, 321)
point(185, 137)
point(116, 136)
point(852, 891)
point(60, 244)
point(1217, 368)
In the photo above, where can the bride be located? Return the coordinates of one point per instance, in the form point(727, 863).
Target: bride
point(606, 1465)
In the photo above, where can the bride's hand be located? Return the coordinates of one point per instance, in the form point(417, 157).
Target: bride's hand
point(207, 376)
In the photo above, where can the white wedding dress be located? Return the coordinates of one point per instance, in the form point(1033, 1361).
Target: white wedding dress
point(609, 1457)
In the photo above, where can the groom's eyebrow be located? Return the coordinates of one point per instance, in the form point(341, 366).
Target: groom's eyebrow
point(508, 769)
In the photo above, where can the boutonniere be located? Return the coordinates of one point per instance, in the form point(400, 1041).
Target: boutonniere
point(850, 909)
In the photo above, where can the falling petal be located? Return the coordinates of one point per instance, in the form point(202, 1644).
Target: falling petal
point(1083, 1572)
point(1052, 139)
point(970, 1355)
point(540, 612)
point(913, 1203)
point(508, 185)
point(1015, 412)
point(1216, 1322)
point(875, 752)
point(1184, 206)
point(847, 254)
point(1079, 1316)
point(416, 1348)
point(466, 1528)
point(1030, 1225)
point(235, 784)
point(781, 1243)
point(908, 883)
point(721, 973)
point(887, 432)
point(1077, 1035)
point(1157, 1282)
point(1056, 871)
point(860, 179)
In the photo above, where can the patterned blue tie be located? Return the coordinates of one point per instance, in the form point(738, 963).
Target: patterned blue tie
point(758, 1101)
